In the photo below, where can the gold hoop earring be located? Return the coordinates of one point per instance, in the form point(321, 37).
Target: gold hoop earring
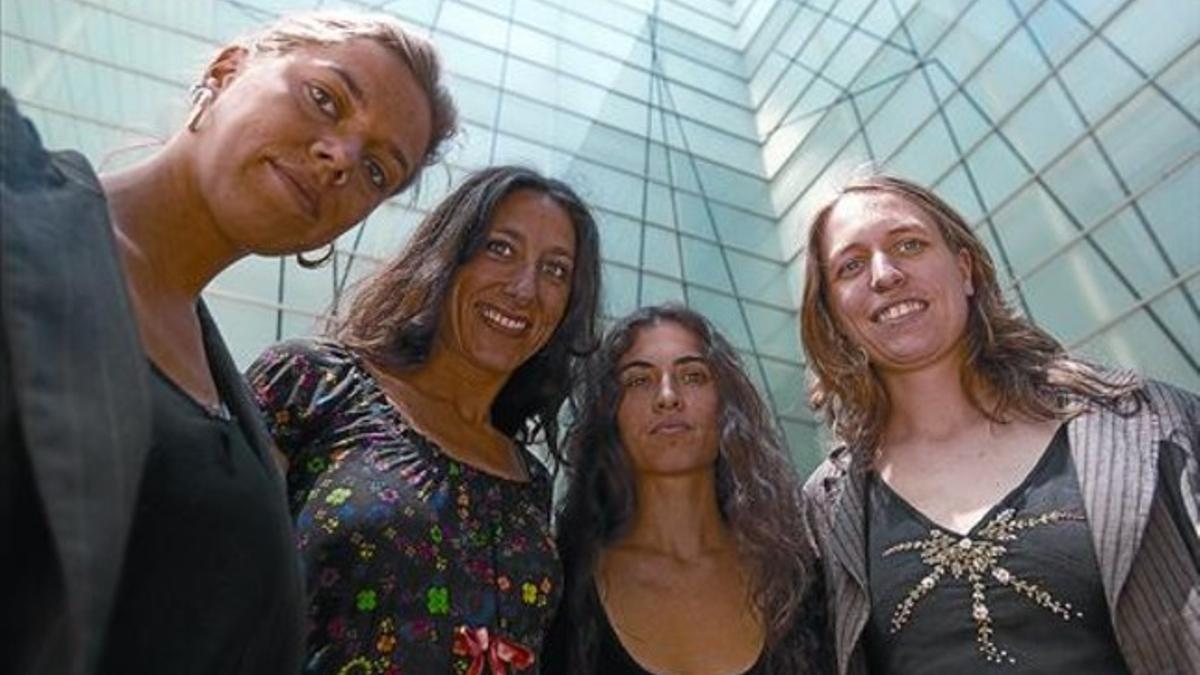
point(202, 96)
point(314, 263)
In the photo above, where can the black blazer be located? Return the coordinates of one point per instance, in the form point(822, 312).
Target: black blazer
point(75, 417)
point(75, 409)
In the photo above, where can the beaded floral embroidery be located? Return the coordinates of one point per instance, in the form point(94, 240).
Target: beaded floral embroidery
point(976, 559)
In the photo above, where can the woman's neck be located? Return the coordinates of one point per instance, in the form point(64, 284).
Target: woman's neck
point(169, 243)
point(449, 382)
point(931, 404)
point(677, 515)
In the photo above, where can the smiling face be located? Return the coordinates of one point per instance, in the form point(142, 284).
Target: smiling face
point(505, 303)
point(893, 285)
point(298, 147)
point(669, 405)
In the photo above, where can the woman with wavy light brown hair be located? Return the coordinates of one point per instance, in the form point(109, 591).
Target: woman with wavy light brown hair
point(992, 502)
point(681, 534)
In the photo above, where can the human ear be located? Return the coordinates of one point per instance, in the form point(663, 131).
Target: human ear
point(966, 266)
point(226, 66)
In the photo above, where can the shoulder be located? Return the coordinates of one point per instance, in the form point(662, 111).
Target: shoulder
point(1171, 401)
point(26, 167)
point(317, 354)
point(829, 477)
point(1174, 407)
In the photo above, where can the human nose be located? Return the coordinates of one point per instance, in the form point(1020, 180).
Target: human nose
point(522, 287)
point(884, 274)
point(335, 158)
point(667, 397)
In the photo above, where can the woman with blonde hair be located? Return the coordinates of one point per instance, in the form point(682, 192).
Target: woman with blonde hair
point(150, 531)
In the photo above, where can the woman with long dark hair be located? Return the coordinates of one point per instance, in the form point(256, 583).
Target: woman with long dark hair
point(681, 533)
point(423, 518)
point(993, 503)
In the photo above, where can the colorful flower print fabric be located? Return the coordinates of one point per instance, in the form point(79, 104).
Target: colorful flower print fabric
point(404, 548)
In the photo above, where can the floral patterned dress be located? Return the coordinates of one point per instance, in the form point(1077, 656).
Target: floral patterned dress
point(415, 562)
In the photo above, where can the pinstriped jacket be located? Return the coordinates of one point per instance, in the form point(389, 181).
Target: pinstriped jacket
point(1140, 482)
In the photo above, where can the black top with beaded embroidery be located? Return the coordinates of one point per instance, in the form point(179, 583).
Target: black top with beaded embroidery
point(1019, 593)
point(402, 544)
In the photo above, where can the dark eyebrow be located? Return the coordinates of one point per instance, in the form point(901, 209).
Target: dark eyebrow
point(691, 358)
point(634, 364)
point(556, 250)
point(360, 98)
point(681, 361)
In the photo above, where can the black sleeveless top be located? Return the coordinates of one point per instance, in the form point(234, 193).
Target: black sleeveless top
point(1019, 593)
point(613, 659)
point(611, 656)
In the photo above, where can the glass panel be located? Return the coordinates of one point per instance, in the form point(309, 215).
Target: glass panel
point(1044, 126)
point(620, 238)
point(1097, 79)
point(661, 252)
point(1031, 226)
point(1057, 30)
point(788, 388)
point(1007, 76)
point(656, 290)
point(724, 312)
point(704, 264)
point(804, 442)
point(246, 329)
point(997, 170)
point(1181, 83)
point(620, 289)
point(1152, 31)
point(1074, 296)
point(776, 333)
point(1138, 342)
point(927, 155)
point(1146, 137)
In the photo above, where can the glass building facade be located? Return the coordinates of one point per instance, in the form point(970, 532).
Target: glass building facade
point(704, 132)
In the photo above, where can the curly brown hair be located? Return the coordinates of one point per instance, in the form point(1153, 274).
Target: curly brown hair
point(1021, 368)
point(757, 494)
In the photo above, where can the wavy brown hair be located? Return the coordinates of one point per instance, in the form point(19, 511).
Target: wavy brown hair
point(757, 494)
point(1021, 368)
point(394, 313)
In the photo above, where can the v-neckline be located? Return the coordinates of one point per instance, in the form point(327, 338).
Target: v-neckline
point(995, 508)
point(219, 411)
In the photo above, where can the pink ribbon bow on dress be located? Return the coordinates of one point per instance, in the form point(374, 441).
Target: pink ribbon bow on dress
point(495, 650)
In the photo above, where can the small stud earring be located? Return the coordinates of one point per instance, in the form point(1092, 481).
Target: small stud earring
point(202, 96)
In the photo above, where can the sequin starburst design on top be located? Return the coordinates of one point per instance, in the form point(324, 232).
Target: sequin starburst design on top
point(975, 559)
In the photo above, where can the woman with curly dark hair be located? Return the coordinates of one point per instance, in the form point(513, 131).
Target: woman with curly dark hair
point(681, 535)
point(423, 518)
point(993, 503)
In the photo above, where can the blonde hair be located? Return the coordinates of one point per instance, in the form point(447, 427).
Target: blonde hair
point(324, 28)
